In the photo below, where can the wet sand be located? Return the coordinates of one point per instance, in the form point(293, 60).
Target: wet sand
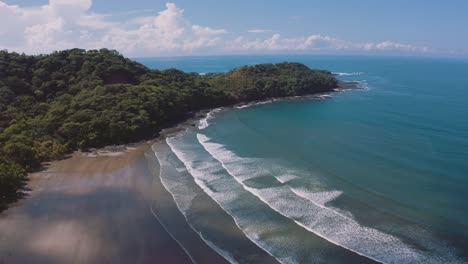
point(92, 209)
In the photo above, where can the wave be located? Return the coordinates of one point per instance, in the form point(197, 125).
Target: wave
point(203, 123)
point(228, 256)
point(205, 173)
point(308, 210)
point(320, 198)
point(296, 97)
point(257, 103)
point(347, 73)
point(324, 96)
point(363, 84)
point(284, 178)
point(271, 233)
point(183, 196)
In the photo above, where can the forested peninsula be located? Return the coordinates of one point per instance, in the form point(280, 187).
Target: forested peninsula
point(51, 105)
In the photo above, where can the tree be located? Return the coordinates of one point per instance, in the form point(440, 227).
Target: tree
point(12, 178)
point(21, 153)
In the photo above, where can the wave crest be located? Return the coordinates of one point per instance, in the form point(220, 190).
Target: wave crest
point(308, 210)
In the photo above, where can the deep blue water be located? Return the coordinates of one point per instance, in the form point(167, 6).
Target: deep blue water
point(380, 172)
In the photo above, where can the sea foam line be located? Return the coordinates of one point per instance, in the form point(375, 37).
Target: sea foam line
point(203, 123)
point(164, 226)
point(175, 239)
point(269, 101)
point(323, 221)
point(347, 73)
point(183, 206)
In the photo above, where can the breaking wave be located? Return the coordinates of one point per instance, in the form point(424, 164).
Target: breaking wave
point(308, 209)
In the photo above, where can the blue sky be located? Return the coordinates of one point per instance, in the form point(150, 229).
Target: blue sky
point(188, 27)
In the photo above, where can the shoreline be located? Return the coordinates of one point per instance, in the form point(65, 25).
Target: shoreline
point(116, 150)
point(195, 119)
point(68, 197)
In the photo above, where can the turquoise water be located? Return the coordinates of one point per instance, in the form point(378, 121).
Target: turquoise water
point(375, 174)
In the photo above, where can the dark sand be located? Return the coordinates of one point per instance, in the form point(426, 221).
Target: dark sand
point(93, 210)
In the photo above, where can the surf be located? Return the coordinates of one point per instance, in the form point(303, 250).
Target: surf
point(274, 233)
point(308, 210)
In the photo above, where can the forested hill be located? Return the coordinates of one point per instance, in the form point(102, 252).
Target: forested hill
point(75, 99)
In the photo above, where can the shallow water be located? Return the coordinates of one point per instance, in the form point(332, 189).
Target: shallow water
point(374, 174)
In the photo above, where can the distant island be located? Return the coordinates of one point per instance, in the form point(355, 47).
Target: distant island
point(51, 105)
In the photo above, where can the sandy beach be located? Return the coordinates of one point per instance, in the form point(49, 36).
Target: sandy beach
point(94, 208)
point(109, 206)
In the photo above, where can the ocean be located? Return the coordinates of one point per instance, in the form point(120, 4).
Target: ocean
point(378, 174)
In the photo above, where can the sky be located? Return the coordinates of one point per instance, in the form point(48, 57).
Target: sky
point(148, 28)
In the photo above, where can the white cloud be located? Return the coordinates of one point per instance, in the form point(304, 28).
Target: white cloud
point(57, 25)
point(206, 31)
point(62, 24)
point(169, 31)
point(277, 43)
point(392, 46)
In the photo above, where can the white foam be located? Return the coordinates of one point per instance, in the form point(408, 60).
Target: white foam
point(320, 198)
point(284, 178)
point(243, 106)
point(266, 102)
point(309, 211)
point(227, 255)
point(324, 96)
point(347, 73)
point(362, 84)
point(228, 196)
point(256, 103)
point(183, 197)
point(174, 184)
point(203, 123)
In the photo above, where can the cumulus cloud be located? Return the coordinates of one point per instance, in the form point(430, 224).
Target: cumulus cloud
point(62, 24)
point(65, 24)
point(58, 25)
point(169, 31)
